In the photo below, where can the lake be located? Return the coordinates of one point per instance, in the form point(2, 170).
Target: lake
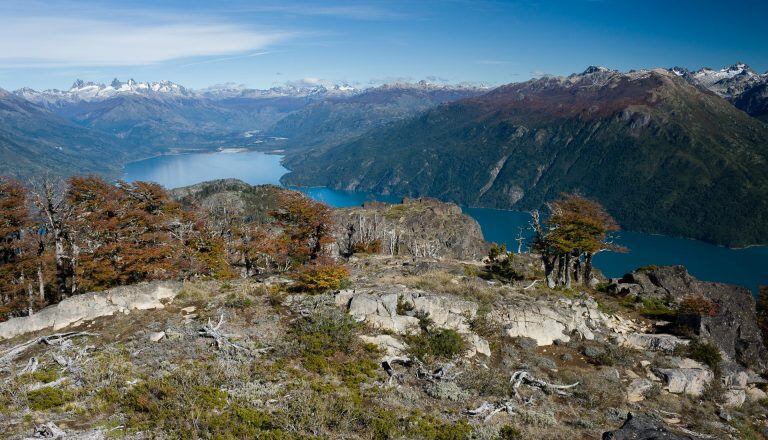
point(747, 267)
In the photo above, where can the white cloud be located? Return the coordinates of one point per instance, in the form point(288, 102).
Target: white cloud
point(55, 41)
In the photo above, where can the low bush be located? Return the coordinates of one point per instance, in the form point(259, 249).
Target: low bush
point(500, 265)
point(46, 398)
point(698, 305)
point(320, 278)
point(439, 343)
point(325, 332)
point(657, 309)
point(702, 351)
point(367, 247)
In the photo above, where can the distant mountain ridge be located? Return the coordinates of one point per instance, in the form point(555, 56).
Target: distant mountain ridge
point(739, 84)
point(92, 91)
point(662, 154)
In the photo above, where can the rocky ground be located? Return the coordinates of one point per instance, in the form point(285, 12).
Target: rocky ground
point(413, 347)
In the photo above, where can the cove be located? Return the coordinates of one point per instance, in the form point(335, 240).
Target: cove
point(746, 267)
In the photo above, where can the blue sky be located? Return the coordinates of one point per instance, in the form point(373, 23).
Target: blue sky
point(47, 44)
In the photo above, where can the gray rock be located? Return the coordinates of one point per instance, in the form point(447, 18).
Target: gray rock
point(637, 389)
point(734, 329)
point(651, 342)
point(156, 336)
point(644, 427)
point(690, 377)
point(89, 306)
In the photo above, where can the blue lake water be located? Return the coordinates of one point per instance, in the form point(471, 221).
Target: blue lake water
point(747, 267)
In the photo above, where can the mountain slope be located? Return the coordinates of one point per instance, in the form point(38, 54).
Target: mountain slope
point(335, 120)
point(34, 140)
point(662, 154)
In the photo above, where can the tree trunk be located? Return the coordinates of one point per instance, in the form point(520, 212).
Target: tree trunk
point(568, 271)
point(40, 282)
point(577, 269)
point(588, 268)
point(549, 269)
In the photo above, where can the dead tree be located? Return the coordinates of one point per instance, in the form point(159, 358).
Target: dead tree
point(49, 198)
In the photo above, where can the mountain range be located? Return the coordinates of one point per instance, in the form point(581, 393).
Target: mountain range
point(666, 150)
point(739, 84)
point(660, 151)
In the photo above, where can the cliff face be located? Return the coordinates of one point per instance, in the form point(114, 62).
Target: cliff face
point(417, 227)
point(733, 326)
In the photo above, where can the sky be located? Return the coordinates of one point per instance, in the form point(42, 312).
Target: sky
point(261, 44)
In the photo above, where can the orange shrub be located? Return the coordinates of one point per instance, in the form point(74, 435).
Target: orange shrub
point(320, 278)
point(367, 247)
point(698, 305)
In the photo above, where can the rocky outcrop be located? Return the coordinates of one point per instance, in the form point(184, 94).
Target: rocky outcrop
point(89, 306)
point(550, 321)
point(733, 328)
point(380, 311)
point(645, 427)
point(417, 227)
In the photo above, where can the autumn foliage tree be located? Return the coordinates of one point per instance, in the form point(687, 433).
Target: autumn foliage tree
point(306, 225)
point(19, 284)
point(88, 235)
point(575, 231)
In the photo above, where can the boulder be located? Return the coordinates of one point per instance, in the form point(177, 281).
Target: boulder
point(156, 336)
point(637, 389)
point(89, 306)
point(651, 342)
point(391, 346)
point(733, 329)
point(734, 398)
point(690, 377)
point(645, 427)
point(754, 394)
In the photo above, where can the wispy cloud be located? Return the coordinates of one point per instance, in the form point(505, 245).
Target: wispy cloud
point(359, 11)
point(35, 38)
point(224, 59)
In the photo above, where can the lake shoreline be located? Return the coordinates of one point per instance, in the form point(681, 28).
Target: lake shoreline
point(706, 261)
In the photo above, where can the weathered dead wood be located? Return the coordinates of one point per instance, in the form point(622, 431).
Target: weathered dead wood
point(54, 339)
point(531, 285)
point(488, 410)
point(520, 377)
point(213, 331)
point(31, 366)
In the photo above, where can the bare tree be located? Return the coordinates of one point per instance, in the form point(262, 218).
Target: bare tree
point(49, 196)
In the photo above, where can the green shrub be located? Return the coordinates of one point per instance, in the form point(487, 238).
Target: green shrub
point(430, 429)
point(500, 265)
point(325, 332)
point(439, 343)
point(510, 433)
point(702, 351)
point(45, 398)
point(656, 309)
